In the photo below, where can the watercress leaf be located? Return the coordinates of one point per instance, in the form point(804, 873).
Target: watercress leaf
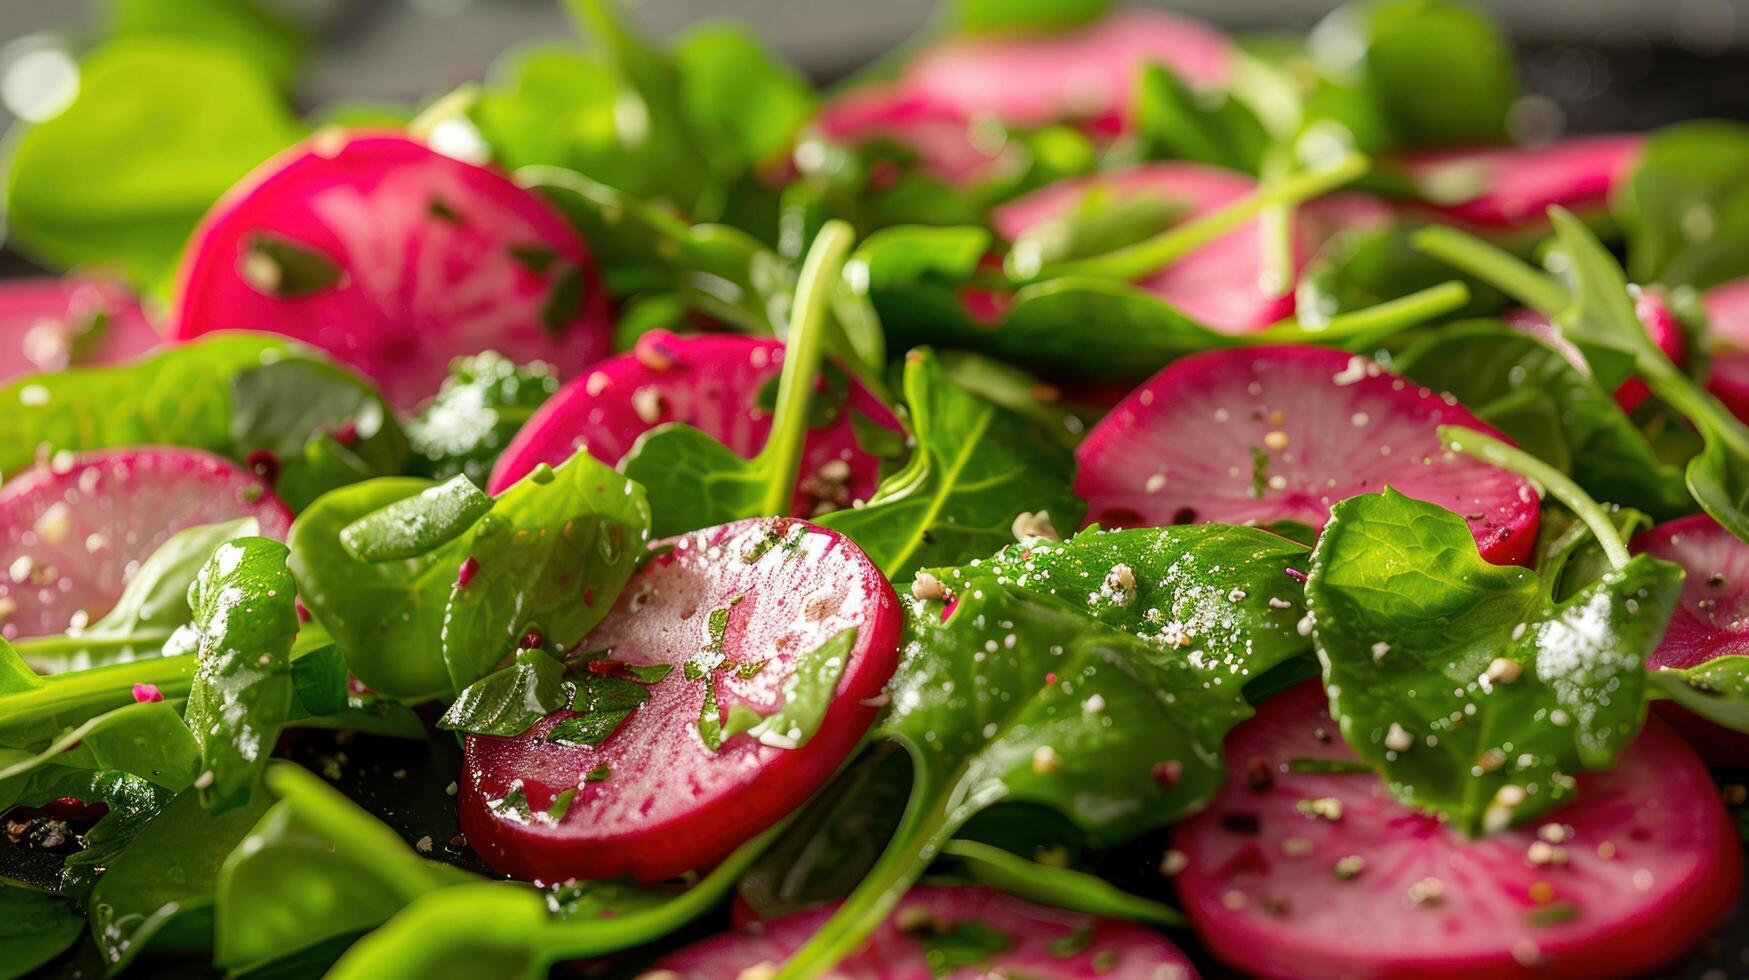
point(1063, 888)
point(151, 608)
point(270, 43)
point(245, 613)
point(738, 92)
point(509, 701)
point(35, 927)
point(1717, 690)
point(480, 406)
point(1684, 207)
point(975, 469)
point(121, 176)
point(1471, 691)
point(553, 553)
point(158, 890)
point(325, 425)
point(1550, 408)
point(415, 525)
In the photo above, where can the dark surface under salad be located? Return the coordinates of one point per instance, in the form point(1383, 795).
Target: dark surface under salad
point(1086, 495)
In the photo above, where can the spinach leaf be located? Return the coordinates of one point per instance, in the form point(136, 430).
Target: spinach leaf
point(148, 740)
point(414, 525)
point(1063, 888)
point(1685, 206)
point(245, 617)
point(507, 702)
point(806, 695)
point(480, 406)
point(1552, 409)
point(34, 709)
point(324, 425)
point(1175, 122)
point(35, 927)
point(152, 607)
point(604, 703)
point(739, 94)
point(158, 890)
point(123, 173)
point(1470, 689)
point(1717, 690)
point(274, 45)
point(976, 468)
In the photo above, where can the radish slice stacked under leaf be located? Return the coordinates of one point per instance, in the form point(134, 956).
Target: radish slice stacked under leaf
point(1505, 190)
point(755, 649)
point(395, 259)
point(73, 530)
point(1281, 434)
point(1298, 871)
point(54, 324)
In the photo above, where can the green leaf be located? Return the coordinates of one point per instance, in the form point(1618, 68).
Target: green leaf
point(148, 740)
point(1177, 122)
point(1100, 223)
point(1717, 690)
point(737, 90)
point(35, 710)
point(507, 702)
point(152, 607)
point(1063, 888)
point(245, 617)
point(1004, 16)
point(482, 404)
point(414, 525)
point(603, 704)
point(1464, 684)
point(975, 469)
point(1685, 206)
point(122, 175)
point(807, 693)
point(35, 927)
point(275, 46)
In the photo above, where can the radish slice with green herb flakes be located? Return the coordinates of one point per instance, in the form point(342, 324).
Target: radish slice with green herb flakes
point(1727, 309)
point(971, 932)
point(1654, 313)
point(395, 259)
point(73, 530)
point(713, 383)
point(1306, 874)
point(1283, 433)
point(724, 625)
point(1505, 189)
point(54, 324)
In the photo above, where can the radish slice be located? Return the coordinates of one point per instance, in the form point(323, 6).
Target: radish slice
point(1219, 285)
point(1282, 433)
point(1022, 940)
point(1504, 189)
point(74, 530)
point(1712, 620)
point(710, 382)
point(1727, 309)
point(1655, 315)
point(1324, 875)
point(753, 598)
point(394, 259)
point(54, 324)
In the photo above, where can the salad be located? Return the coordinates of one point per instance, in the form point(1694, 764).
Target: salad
point(1088, 496)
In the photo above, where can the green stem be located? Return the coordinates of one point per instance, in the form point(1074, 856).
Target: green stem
point(82, 693)
point(1372, 323)
point(1275, 228)
point(1495, 266)
point(1679, 391)
point(1133, 262)
point(1491, 450)
point(804, 347)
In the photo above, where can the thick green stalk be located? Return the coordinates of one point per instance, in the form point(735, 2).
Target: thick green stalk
point(1496, 266)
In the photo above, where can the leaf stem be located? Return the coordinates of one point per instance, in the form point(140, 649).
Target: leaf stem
point(1370, 324)
point(1495, 266)
point(1473, 442)
point(1135, 261)
point(1275, 228)
point(803, 349)
point(85, 692)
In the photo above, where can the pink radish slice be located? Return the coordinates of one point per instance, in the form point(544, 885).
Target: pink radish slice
point(939, 135)
point(54, 324)
point(1712, 620)
point(661, 802)
point(1038, 941)
point(429, 258)
point(1727, 310)
point(1282, 433)
point(1219, 285)
point(1655, 315)
point(1509, 188)
point(74, 530)
point(711, 382)
point(1615, 884)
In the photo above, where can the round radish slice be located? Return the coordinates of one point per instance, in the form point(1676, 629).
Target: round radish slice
point(1020, 939)
point(54, 324)
point(712, 382)
point(1282, 433)
point(1655, 315)
point(1505, 189)
point(735, 613)
point(73, 531)
point(1617, 883)
point(394, 259)
point(1712, 620)
point(1220, 285)
point(1727, 309)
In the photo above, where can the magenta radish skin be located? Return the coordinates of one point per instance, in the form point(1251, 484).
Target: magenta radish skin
point(41, 321)
point(1281, 434)
point(672, 805)
point(1655, 315)
point(437, 259)
point(1652, 862)
point(74, 530)
point(1727, 310)
point(711, 382)
point(1114, 950)
point(1509, 189)
point(1712, 618)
